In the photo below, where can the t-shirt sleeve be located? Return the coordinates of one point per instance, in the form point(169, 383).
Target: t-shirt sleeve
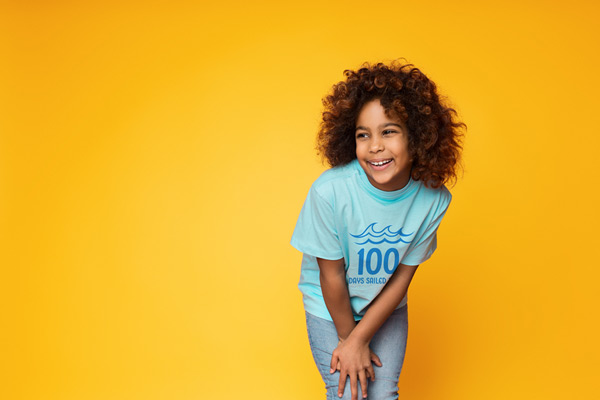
point(425, 243)
point(315, 233)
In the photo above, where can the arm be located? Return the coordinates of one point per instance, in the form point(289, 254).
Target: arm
point(332, 274)
point(384, 304)
point(354, 354)
point(335, 293)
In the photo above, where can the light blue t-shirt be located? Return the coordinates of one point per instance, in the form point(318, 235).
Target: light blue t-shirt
point(345, 216)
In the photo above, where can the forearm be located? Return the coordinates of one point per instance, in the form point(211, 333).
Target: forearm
point(337, 300)
point(384, 304)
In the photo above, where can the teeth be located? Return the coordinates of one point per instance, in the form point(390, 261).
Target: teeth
point(381, 162)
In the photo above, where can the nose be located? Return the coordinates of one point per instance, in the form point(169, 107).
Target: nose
point(376, 144)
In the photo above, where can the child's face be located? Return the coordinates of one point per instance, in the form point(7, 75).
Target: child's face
point(382, 147)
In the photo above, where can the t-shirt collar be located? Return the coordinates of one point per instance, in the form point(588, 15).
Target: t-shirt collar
point(382, 194)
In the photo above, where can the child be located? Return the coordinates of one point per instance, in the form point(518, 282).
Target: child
point(370, 220)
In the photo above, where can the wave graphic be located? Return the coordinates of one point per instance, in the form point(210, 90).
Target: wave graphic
point(387, 232)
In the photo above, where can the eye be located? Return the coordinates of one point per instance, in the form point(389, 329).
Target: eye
point(361, 135)
point(389, 131)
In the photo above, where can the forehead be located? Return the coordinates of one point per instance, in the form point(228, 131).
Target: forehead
point(373, 110)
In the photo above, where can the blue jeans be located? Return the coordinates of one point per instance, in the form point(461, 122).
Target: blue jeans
point(389, 343)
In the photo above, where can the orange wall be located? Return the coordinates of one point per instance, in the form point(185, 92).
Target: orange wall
point(154, 157)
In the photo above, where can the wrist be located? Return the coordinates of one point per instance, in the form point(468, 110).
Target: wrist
point(358, 336)
point(345, 329)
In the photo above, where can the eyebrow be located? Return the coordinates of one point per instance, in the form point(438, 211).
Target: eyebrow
point(380, 126)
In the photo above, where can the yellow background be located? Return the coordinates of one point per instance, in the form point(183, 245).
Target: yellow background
point(154, 157)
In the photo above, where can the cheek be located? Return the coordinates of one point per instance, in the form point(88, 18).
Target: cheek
point(359, 150)
point(400, 150)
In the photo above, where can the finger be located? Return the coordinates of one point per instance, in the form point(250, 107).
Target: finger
point(334, 363)
point(371, 372)
point(339, 366)
point(363, 383)
point(375, 359)
point(342, 384)
point(354, 387)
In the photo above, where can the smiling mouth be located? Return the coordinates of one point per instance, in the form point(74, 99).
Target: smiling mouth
point(380, 163)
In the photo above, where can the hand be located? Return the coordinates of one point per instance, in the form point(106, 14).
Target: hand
point(374, 358)
point(354, 358)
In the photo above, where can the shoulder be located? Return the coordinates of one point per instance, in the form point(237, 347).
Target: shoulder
point(326, 183)
point(436, 199)
point(443, 195)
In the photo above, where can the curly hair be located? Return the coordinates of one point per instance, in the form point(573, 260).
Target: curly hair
point(434, 134)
